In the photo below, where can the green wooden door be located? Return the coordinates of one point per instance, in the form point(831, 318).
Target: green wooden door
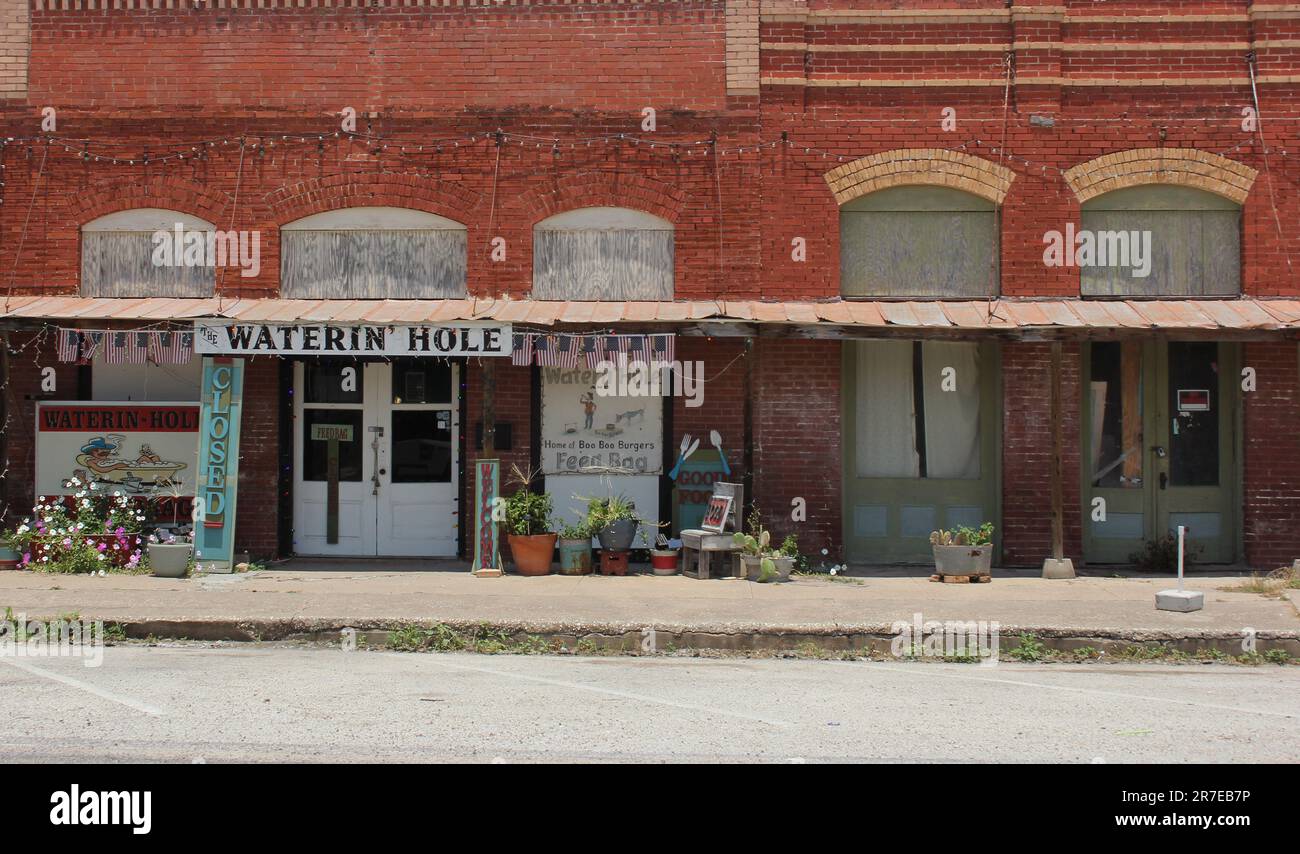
point(1159, 447)
point(922, 429)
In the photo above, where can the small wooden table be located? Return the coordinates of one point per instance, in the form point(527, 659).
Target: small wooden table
point(700, 547)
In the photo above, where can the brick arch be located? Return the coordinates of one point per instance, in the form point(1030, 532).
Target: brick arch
point(928, 166)
point(174, 194)
point(318, 195)
point(1187, 167)
point(605, 189)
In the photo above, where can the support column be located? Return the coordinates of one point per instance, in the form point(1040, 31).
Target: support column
point(1058, 565)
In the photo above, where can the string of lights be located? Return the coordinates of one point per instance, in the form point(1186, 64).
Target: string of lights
point(262, 144)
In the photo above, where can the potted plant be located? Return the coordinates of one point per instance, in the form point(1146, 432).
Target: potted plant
point(963, 550)
point(755, 557)
point(10, 556)
point(575, 549)
point(528, 530)
point(88, 531)
point(614, 522)
point(169, 552)
point(787, 556)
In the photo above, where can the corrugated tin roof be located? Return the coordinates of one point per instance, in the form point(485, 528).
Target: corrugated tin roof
point(1000, 314)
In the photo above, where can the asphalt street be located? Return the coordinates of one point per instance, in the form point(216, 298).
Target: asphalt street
point(191, 703)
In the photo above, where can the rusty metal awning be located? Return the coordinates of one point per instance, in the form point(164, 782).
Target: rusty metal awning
point(1000, 315)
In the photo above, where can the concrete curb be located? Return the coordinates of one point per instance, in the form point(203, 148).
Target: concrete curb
point(719, 637)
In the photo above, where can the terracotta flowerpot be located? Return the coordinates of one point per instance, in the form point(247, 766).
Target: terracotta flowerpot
point(532, 553)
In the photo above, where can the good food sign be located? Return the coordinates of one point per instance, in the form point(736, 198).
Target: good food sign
point(135, 448)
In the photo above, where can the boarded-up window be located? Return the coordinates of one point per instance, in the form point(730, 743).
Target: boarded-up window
point(930, 242)
point(603, 254)
point(1160, 240)
point(373, 253)
point(132, 254)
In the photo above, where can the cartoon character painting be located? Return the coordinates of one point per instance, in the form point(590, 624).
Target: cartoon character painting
point(99, 459)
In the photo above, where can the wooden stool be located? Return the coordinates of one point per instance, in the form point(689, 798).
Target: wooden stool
point(613, 563)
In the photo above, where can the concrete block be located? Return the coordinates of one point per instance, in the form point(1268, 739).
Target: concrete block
point(1063, 568)
point(1180, 600)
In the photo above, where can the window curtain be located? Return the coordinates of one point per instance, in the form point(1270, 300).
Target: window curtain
point(952, 418)
point(885, 438)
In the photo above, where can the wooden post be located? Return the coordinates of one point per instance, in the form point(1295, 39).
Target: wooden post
point(1058, 444)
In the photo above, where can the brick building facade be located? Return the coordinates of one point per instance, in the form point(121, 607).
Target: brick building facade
point(757, 131)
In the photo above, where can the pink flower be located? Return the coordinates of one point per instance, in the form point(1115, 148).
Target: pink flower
point(67, 541)
point(103, 547)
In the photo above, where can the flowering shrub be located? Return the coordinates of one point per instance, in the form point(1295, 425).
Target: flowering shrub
point(91, 532)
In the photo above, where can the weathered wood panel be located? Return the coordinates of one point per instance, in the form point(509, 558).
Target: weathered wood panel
point(1193, 253)
point(378, 264)
point(603, 264)
point(121, 264)
point(933, 254)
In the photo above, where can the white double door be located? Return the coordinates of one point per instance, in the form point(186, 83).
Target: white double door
point(397, 473)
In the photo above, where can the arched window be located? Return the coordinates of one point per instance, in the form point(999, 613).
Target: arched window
point(919, 241)
point(146, 252)
point(1159, 240)
point(373, 253)
point(603, 253)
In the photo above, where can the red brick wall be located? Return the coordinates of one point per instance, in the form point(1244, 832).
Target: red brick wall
point(513, 399)
point(383, 56)
point(1272, 456)
point(1027, 453)
point(797, 450)
point(256, 516)
point(27, 357)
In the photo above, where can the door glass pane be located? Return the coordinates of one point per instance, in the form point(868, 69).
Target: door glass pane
point(422, 446)
point(421, 381)
point(1116, 428)
point(315, 453)
point(1194, 414)
point(324, 382)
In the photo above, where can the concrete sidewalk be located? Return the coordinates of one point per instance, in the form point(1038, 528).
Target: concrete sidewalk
point(283, 602)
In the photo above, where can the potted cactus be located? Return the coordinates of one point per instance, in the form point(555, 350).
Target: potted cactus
point(757, 559)
point(963, 550)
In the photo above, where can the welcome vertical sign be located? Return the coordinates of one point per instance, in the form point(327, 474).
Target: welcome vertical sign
point(217, 483)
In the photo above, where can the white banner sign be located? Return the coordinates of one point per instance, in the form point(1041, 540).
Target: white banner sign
point(222, 337)
point(138, 448)
point(585, 432)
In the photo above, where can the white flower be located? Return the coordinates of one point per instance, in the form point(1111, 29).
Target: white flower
point(100, 556)
point(825, 552)
point(101, 572)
